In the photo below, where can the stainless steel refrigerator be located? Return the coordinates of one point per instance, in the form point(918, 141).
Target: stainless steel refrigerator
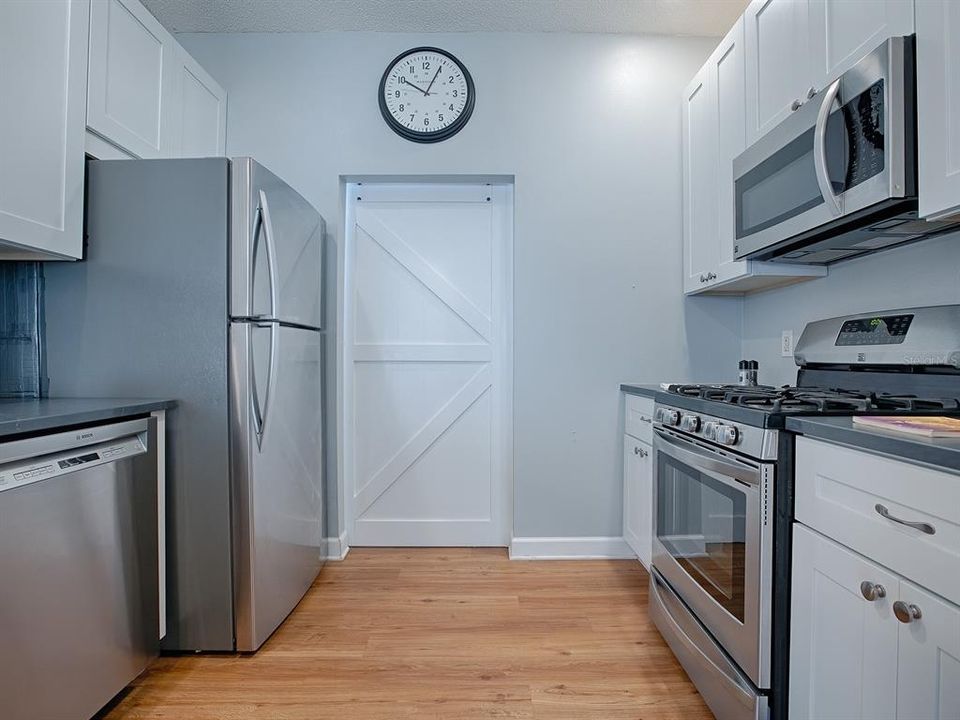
point(203, 281)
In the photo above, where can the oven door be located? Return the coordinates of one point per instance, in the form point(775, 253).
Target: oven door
point(712, 543)
point(842, 152)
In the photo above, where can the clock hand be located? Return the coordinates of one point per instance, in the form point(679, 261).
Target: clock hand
point(433, 81)
point(417, 87)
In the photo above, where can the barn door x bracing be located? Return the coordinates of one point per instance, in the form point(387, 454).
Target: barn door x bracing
point(427, 392)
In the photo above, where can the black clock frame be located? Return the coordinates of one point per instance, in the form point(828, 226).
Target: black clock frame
point(437, 135)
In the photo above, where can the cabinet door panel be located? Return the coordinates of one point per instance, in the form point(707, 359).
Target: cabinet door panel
point(638, 497)
point(843, 31)
point(843, 647)
point(701, 249)
point(43, 83)
point(777, 62)
point(729, 73)
point(928, 682)
point(131, 57)
point(202, 109)
point(938, 107)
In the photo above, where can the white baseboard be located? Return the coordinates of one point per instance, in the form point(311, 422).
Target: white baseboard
point(570, 548)
point(336, 548)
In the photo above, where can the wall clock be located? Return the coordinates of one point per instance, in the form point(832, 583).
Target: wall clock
point(426, 95)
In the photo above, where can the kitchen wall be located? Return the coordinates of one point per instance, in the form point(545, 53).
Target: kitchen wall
point(924, 273)
point(589, 126)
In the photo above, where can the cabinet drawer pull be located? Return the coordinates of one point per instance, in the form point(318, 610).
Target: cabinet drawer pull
point(906, 613)
point(872, 591)
point(640, 451)
point(921, 526)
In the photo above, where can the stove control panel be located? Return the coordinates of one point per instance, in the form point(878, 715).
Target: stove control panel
point(757, 442)
point(911, 337)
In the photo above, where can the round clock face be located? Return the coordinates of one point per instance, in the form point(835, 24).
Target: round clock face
point(426, 95)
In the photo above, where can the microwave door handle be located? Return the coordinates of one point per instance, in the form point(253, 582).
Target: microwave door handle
point(820, 149)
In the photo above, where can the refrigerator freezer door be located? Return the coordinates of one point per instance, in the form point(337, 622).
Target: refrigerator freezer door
point(276, 249)
point(277, 472)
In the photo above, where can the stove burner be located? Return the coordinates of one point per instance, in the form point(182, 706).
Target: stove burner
point(790, 399)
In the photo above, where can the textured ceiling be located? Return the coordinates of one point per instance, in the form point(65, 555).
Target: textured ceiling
point(662, 17)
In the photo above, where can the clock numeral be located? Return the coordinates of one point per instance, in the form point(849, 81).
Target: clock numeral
point(440, 117)
point(426, 65)
point(412, 71)
point(411, 118)
point(455, 93)
point(401, 107)
point(450, 80)
point(403, 80)
point(451, 107)
point(396, 93)
point(426, 121)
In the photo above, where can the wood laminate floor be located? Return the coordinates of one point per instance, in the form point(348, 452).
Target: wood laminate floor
point(428, 634)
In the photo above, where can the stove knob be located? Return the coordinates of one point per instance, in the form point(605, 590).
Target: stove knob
point(669, 417)
point(727, 435)
point(690, 423)
point(710, 430)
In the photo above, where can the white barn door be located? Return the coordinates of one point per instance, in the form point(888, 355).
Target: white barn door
point(427, 387)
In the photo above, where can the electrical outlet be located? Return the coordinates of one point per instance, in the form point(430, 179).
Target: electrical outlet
point(786, 343)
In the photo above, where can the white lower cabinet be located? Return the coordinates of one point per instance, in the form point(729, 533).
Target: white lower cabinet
point(866, 643)
point(638, 497)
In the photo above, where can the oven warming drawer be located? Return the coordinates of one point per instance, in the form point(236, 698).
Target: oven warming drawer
point(726, 690)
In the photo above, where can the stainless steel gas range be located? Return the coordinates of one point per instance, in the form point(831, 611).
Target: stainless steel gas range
point(723, 492)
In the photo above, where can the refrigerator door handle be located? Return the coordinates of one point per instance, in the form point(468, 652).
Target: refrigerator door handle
point(267, 227)
point(262, 412)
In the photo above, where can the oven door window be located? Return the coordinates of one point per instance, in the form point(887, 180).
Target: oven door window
point(785, 184)
point(702, 523)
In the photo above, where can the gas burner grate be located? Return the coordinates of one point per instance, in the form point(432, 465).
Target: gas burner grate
point(792, 399)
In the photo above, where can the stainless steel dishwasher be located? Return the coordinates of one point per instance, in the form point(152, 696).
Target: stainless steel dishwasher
point(79, 612)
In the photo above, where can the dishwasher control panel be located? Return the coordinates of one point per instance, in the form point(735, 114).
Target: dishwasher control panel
point(17, 474)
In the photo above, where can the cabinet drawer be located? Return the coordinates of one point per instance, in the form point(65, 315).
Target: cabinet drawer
point(844, 493)
point(638, 417)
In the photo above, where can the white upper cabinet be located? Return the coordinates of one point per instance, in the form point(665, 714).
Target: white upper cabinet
point(43, 84)
point(938, 107)
point(201, 108)
point(778, 62)
point(701, 249)
point(844, 31)
point(714, 133)
point(131, 81)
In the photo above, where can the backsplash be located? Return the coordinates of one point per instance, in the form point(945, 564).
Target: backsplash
point(922, 273)
point(22, 366)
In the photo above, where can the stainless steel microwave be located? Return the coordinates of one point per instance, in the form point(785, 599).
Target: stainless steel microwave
point(838, 177)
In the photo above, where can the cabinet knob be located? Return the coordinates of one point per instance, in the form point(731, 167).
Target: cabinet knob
point(795, 105)
point(811, 92)
point(872, 591)
point(906, 613)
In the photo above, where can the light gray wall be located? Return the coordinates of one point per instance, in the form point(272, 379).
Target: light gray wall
point(924, 273)
point(589, 126)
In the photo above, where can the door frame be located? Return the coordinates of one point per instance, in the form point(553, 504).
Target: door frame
point(502, 195)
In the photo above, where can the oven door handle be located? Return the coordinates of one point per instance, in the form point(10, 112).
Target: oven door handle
point(820, 149)
point(705, 461)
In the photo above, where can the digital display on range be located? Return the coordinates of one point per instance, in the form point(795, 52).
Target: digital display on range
point(881, 330)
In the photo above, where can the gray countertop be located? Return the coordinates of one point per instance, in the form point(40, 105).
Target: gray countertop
point(27, 416)
point(644, 390)
point(937, 452)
